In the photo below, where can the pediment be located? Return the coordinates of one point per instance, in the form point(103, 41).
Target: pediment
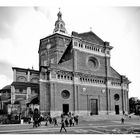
point(91, 37)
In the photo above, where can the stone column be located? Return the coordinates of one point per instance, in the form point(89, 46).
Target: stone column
point(14, 75)
point(12, 94)
point(28, 76)
point(122, 93)
point(52, 100)
point(75, 94)
point(28, 95)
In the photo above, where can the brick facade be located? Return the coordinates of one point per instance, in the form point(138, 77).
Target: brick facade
point(74, 76)
point(94, 87)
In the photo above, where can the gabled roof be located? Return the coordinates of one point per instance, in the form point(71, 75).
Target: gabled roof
point(114, 73)
point(89, 36)
point(67, 65)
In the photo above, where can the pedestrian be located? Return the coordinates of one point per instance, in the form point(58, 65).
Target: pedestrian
point(70, 122)
point(50, 120)
point(55, 121)
point(63, 126)
point(66, 122)
point(62, 116)
point(122, 120)
point(76, 119)
point(36, 117)
point(46, 124)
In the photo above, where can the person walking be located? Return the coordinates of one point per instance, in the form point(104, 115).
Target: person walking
point(55, 121)
point(122, 120)
point(66, 122)
point(62, 126)
point(76, 119)
point(70, 122)
point(36, 116)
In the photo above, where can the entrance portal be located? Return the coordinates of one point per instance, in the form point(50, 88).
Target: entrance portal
point(117, 109)
point(94, 106)
point(65, 109)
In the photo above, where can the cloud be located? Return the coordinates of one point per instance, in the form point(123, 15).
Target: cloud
point(6, 74)
point(44, 10)
point(4, 80)
point(8, 18)
point(6, 69)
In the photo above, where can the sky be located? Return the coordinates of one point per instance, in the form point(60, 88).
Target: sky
point(22, 27)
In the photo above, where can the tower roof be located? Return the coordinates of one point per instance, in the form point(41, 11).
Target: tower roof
point(60, 24)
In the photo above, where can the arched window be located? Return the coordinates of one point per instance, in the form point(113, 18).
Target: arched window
point(93, 63)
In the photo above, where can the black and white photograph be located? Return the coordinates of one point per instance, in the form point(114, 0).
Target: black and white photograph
point(70, 67)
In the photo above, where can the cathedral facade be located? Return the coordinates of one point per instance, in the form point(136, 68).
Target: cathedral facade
point(74, 76)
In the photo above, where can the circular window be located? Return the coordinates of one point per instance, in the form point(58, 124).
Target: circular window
point(116, 97)
point(93, 63)
point(65, 94)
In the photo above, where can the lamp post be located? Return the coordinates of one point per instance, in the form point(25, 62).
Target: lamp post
point(84, 91)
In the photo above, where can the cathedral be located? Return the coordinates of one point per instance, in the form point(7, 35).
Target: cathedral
point(74, 76)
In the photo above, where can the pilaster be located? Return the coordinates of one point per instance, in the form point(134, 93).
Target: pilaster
point(12, 94)
point(28, 76)
point(14, 75)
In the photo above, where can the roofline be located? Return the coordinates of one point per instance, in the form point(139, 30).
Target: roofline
point(54, 34)
point(66, 35)
point(115, 71)
point(93, 33)
point(86, 41)
point(27, 84)
point(17, 68)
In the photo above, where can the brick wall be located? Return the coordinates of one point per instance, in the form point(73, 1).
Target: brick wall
point(82, 66)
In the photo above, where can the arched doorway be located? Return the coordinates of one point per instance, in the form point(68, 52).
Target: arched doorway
point(32, 105)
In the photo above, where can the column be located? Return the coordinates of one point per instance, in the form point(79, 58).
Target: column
point(28, 76)
point(12, 94)
point(28, 95)
point(14, 75)
point(53, 111)
point(122, 93)
point(75, 80)
point(107, 95)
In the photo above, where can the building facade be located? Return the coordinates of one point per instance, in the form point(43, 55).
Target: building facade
point(74, 76)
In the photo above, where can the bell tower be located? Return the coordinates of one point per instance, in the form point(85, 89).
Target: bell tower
point(60, 24)
point(51, 49)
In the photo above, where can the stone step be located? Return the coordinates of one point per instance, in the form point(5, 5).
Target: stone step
point(107, 117)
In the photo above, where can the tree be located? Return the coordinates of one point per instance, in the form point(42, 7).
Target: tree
point(132, 105)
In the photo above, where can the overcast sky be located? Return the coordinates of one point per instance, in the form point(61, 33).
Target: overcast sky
point(21, 28)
